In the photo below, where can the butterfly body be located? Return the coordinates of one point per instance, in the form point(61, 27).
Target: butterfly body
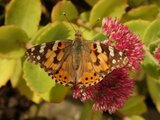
point(77, 62)
point(76, 50)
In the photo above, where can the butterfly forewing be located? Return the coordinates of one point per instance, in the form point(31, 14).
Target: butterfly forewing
point(104, 59)
point(50, 55)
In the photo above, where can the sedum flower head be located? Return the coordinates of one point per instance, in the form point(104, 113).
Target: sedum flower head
point(157, 54)
point(111, 93)
point(124, 40)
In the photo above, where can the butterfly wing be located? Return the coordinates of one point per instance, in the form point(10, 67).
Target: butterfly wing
point(106, 58)
point(86, 74)
point(98, 60)
point(66, 75)
point(54, 58)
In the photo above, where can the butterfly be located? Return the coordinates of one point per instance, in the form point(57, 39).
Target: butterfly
point(77, 62)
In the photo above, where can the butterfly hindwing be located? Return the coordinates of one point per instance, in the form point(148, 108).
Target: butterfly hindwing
point(66, 75)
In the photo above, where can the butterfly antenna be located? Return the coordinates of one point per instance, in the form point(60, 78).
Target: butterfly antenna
point(69, 21)
point(94, 24)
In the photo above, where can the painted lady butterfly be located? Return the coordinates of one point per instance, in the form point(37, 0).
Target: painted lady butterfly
point(79, 62)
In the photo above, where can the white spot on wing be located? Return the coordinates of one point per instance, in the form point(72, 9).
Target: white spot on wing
point(38, 57)
point(44, 44)
point(112, 54)
point(120, 53)
point(99, 50)
point(125, 60)
point(111, 50)
point(41, 50)
point(113, 61)
point(112, 68)
point(32, 49)
point(55, 46)
point(118, 66)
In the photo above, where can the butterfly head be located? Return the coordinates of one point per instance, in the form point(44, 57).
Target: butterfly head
point(78, 35)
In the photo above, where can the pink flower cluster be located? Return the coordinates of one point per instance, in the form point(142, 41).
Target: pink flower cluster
point(111, 93)
point(125, 40)
point(157, 54)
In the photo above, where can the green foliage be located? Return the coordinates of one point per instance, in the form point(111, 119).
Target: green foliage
point(135, 117)
point(152, 33)
point(112, 8)
point(135, 105)
point(56, 94)
point(145, 12)
point(89, 114)
point(24, 14)
point(64, 7)
point(12, 42)
point(134, 3)
point(53, 31)
point(138, 26)
point(37, 78)
point(91, 2)
point(154, 88)
point(22, 27)
point(6, 71)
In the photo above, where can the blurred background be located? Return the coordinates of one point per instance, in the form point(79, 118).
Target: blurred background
point(27, 93)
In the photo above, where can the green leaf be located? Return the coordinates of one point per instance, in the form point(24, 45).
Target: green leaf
point(154, 2)
point(149, 65)
point(56, 94)
point(25, 14)
point(61, 7)
point(36, 78)
point(18, 82)
point(12, 42)
point(145, 12)
point(91, 2)
point(136, 117)
point(138, 26)
point(134, 105)
point(152, 33)
point(85, 15)
point(54, 31)
point(89, 114)
point(134, 3)
point(17, 75)
point(99, 36)
point(26, 91)
point(6, 70)
point(72, 29)
point(88, 34)
point(107, 8)
point(154, 90)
